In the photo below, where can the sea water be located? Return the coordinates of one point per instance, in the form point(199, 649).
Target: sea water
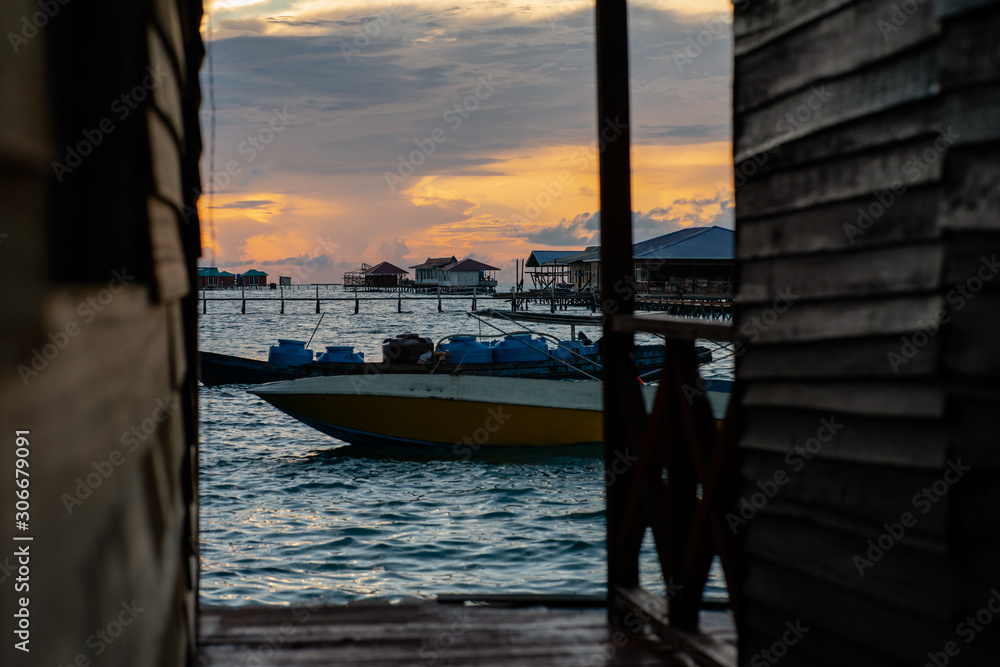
point(290, 515)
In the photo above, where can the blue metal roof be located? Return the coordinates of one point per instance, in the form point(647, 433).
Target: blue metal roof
point(692, 243)
point(539, 257)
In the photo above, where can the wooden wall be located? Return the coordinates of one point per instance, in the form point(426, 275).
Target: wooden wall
point(97, 327)
point(836, 102)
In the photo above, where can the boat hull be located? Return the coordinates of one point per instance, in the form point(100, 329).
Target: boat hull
point(444, 411)
point(462, 413)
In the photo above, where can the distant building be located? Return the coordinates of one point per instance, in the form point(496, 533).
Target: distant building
point(692, 260)
point(430, 273)
point(285, 281)
point(584, 267)
point(382, 274)
point(210, 276)
point(469, 273)
point(547, 267)
point(254, 278)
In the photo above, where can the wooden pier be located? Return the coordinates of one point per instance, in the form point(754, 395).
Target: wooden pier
point(432, 633)
point(555, 300)
point(354, 296)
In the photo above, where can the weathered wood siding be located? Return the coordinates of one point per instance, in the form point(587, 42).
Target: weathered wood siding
point(97, 326)
point(851, 294)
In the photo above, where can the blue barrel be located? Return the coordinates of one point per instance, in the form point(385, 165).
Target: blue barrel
point(289, 353)
point(568, 350)
point(344, 354)
point(467, 350)
point(520, 347)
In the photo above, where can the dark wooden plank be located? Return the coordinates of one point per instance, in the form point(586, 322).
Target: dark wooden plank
point(833, 320)
point(838, 130)
point(895, 84)
point(871, 628)
point(968, 52)
point(841, 178)
point(972, 418)
point(842, 41)
point(876, 398)
point(379, 634)
point(973, 201)
point(838, 359)
point(826, 556)
point(706, 649)
point(830, 227)
point(973, 344)
point(858, 499)
point(875, 440)
point(817, 648)
point(757, 23)
point(879, 271)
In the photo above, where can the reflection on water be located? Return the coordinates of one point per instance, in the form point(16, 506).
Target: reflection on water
point(288, 513)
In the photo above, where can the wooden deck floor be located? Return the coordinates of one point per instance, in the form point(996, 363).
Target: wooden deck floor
point(426, 634)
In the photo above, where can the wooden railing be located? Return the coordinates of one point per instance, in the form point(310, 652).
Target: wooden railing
point(679, 436)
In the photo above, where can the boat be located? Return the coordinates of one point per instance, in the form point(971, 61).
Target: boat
point(460, 412)
point(584, 363)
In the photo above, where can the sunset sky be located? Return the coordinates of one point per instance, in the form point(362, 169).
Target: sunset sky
point(351, 132)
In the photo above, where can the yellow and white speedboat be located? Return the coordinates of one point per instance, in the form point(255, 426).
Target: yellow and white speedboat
point(451, 410)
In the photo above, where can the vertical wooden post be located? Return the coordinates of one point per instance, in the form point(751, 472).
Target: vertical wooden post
point(357, 301)
point(552, 295)
point(282, 288)
point(244, 292)
point(317, 298)
point(439, 299)
point(399, 302)
point(204, 301)
point(623, 423)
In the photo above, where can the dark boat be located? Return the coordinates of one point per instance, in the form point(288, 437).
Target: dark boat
point(217, 369)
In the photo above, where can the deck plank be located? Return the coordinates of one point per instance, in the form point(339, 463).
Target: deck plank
point(430, 634)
